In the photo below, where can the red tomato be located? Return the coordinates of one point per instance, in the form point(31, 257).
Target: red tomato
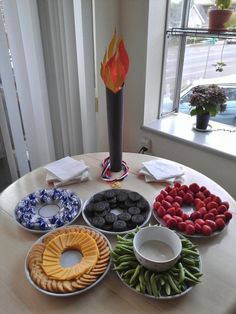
point(166, 217)
point(181, 226)
point(190, 229)
point(181, 193)
point(202, 188)
point(212, 224)
point(207, 200)
point(198, 228)
point(161, 211)
point(200, 221)
point(171, 223)
point(169, 199)
point(185, 216)
point(202, 211)
point(200, 195)
point(179, 200)
point(156, 205)
point(211, 205)
point(173, 192)
point(199, 204)
point(226, 204)
point(206, 193)
point(178, 219)
point(168, 188)
point(184, 188)
point(166, 204)
point(176, 205)
point(171, 211)
point(214, 211)
point(194, 187)
point(160, 198)
point(195, 215)
point(222, 216)
point(228, 215)
point(177, 184)
point(178, 212)
point(164, 193)
point(189, 222)
point(220, 223)
point(221, 209)
point(209, 216)
point(188, 198)
point(206, 230)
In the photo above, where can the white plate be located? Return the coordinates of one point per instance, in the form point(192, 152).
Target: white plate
point(162, 223)
point(48, 210)
point(162, 297)
point(114, 232)
point(71, 293)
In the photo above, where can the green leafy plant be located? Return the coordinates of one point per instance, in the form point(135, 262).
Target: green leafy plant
point(223, 4)
point(207, 99)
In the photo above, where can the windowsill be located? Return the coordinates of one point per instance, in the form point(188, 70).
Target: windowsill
point(180, 127)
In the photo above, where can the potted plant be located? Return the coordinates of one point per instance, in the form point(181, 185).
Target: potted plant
point(219, 15)
point(206, 101)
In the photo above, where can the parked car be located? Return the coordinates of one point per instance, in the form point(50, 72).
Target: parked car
point(229, 85)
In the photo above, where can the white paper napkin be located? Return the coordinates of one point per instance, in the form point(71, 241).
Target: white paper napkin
point(66, 168)
point(51, 179)
point(160, 170)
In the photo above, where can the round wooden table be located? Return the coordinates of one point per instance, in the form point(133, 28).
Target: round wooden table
point(216, 294)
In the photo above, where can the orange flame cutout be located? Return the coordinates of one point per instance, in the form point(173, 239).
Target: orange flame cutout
point(115, 65)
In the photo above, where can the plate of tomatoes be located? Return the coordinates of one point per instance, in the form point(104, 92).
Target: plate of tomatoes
point(191, 210)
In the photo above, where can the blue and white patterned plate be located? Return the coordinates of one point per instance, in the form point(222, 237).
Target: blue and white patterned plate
point(48, 209)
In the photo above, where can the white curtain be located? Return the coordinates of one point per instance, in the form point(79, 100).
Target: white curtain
point(72, 111)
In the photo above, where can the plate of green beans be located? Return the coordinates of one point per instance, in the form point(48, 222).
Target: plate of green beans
point(173, 283)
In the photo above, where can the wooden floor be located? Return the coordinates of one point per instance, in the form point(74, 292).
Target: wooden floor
point(5, 177)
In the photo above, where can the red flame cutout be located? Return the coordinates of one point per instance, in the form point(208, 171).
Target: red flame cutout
point(115, 66)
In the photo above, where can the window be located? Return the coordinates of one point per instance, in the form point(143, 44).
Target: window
point(196, 59)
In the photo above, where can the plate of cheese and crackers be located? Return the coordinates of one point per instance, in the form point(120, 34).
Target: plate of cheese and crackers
point(68, 261)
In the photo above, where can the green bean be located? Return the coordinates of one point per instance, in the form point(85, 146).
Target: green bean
point(191, 275)
point(191, 280)
point(129, 273)
point(147, 275)
point(188, 261)
point(167, 288)
point(193, 268)
point(129, 244)
point(189, 252)
point(136, 274)
point(126, 258)
point(114, 255)
point(125, 265)
point(124, 249)
point(142, 282)
point(155, 290)
point(138, 288)
point(181, 272)
point(172, 283)
point(162, 281)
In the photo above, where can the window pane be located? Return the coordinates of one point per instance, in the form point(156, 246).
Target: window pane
point(169, 75)
point(203, 66)
point(175, 13)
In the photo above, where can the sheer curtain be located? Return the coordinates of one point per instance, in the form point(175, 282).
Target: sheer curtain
point(66, 31)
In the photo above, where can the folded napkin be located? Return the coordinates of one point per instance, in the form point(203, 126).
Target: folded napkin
point(66, 171)
point(160, 170)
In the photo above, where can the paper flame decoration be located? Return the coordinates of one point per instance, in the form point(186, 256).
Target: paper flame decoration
point(115, 65)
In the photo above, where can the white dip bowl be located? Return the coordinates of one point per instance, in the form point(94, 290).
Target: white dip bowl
point(157, 248)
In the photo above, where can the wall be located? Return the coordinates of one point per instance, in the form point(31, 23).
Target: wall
point(134, 27)
point(106, 20)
